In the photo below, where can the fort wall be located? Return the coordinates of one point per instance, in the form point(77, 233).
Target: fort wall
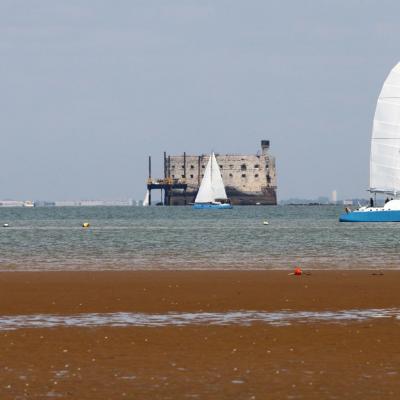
point(248, 179)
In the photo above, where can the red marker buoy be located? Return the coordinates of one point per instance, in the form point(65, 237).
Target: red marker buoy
point(298, 271)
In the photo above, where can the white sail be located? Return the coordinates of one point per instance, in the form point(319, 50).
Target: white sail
point(217, 182)
point(385, 144)
point(212, 186)
point(146, 199)
point(205, 193)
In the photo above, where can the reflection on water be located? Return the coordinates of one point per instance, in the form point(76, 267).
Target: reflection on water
point(243, 318)
point(182, 238)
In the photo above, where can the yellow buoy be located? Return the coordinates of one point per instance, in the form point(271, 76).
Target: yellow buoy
point(85, 225)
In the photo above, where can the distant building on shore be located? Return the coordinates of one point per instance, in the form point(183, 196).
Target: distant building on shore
point(323, 201)
point(95, 203)
point(11, 203)
point(16, 203)
point(76, 203)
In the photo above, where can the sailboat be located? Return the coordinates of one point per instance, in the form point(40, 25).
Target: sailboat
point(385, 156)
point(146, 199)
point(212, 192)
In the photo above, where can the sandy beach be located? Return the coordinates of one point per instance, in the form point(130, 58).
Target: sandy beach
point(314, 360)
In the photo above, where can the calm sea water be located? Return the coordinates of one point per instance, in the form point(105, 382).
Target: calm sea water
point(182, 238)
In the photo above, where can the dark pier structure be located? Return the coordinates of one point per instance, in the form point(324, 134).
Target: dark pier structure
point(167, 185)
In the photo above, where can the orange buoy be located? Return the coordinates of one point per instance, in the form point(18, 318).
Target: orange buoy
point(298, 271)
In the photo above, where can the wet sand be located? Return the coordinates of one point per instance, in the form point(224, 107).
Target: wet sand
point(354, 360)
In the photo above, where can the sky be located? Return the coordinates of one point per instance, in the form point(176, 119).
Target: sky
point(89, 89)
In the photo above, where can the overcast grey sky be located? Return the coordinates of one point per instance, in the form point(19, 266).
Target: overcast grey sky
point(90, 88)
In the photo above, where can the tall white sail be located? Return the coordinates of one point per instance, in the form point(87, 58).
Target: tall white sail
point(212, 186)
point(205, 193)
point(217, 182)
point(385, 144)
point(146, 199)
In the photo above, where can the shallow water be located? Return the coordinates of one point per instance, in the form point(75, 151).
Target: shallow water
point(242, 318)
point(182, 238)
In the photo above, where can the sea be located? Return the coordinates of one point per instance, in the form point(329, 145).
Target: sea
point(180, 238)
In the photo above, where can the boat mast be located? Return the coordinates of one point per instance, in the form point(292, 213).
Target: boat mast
point(211, 161)
point(211, 166)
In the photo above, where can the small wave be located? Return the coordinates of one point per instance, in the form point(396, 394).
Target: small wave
point(243, 318)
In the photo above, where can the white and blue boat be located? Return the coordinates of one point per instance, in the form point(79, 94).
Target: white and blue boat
point(385, 157)
point(212, 192)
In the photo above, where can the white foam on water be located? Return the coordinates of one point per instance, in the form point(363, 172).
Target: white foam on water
point(244, 318)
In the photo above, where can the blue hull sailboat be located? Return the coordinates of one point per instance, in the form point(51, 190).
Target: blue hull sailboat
point(212, 194)
point(385, 156)
point(212, 205)
point(372, 215)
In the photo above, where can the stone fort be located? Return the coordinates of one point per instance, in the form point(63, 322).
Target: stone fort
point(249, 179)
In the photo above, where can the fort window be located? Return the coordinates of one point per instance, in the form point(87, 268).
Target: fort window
point(268, 179)
point(243, 175)
point(192, 167)
point(183, 166)
point(256, 166)
point(231, 166)
point(183, 176)
point(266, 166)
point(191, 176)
point(203, 166)
point(243, 167)
point(173, 167)
point(173, 176)
point(256, 176)
point(230, 175)
point(202, 175)
point(221, 167)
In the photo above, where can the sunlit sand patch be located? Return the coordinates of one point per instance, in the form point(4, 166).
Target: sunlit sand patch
point(61, 373)
point(53, 394)
point(243, 318)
